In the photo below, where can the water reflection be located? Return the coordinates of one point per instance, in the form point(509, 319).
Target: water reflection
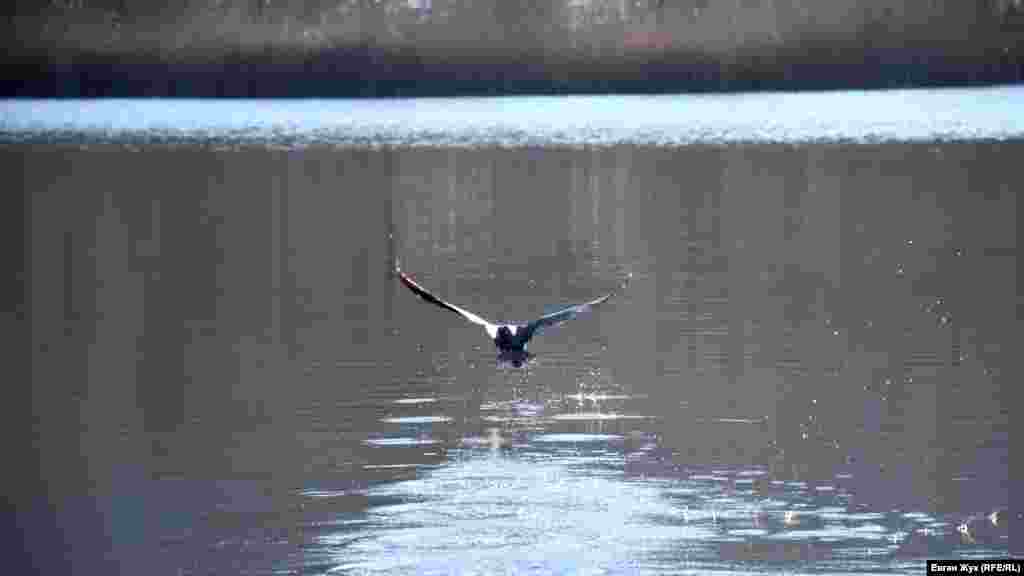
point(522, 511)
point(526, 500)
point(547, 487)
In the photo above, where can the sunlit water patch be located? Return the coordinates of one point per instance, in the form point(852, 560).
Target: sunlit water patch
point(415, 400)
point(400, 441)
point(538, 509)
point(489, 514)
point(597, 416)
point(416, 419)
point(574, 438)
point(668, 120)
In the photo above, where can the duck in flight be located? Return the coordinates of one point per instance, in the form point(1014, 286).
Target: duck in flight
point(510, 338)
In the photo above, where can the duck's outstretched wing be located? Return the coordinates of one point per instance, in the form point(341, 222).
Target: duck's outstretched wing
point(492, 329)
point(566, 314)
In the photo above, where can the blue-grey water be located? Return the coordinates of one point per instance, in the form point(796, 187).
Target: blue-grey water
point(809, 373)
point(841, 116)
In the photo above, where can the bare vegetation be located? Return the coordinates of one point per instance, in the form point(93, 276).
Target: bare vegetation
point(396, 46)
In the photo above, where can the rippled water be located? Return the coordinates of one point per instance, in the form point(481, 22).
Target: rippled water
point(810, 371)
point(843, 116)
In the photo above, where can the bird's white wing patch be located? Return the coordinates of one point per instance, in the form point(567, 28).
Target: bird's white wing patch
point(423, 293)
point(469, 315)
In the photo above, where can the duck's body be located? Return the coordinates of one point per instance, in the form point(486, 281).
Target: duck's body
point(509, 338)
point(512, 337)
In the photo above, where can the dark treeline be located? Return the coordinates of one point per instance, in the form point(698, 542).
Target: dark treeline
point(369, 72)
point(361, 48)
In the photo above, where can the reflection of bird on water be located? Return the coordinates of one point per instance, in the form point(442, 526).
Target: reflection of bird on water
point(510, 338)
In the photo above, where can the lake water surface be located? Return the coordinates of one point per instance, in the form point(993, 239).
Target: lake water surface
point(841, 116)
point(810, 371)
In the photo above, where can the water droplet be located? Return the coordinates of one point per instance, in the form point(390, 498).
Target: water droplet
point(899, 270)
point(835, 332)
point(804, 435)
